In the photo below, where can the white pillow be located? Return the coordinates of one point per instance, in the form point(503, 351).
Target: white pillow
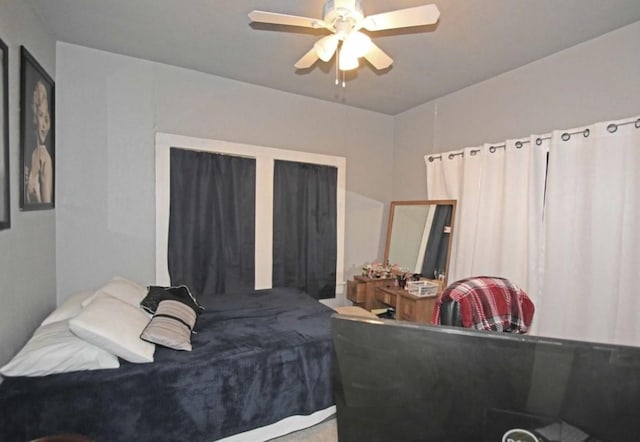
point(114, 326)
point(121, 288)
point(54, 349)
point(69, 308)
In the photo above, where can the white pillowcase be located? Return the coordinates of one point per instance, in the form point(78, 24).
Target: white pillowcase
point(71, 307)
point(114, 326)
point(121, 288)
point(54, 349)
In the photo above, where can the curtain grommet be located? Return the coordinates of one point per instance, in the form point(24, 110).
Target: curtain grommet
point(586, 133)
point(637, 125)
point(538, 141)
point(612, 128)
point(566, 136)
point(492, 149)
point(519, 144)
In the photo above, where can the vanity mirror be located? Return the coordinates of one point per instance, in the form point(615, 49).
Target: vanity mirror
point(419, 236)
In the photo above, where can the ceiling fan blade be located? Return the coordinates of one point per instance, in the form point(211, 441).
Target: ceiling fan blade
point(307, 59)
point(403, 18)
point(286, 19)
point(378, 58)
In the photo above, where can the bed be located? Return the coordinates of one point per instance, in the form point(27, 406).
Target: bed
point(259, 359)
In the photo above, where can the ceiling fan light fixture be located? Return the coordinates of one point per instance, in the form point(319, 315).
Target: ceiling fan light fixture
point(326, 47)
point(347, 62)
point(356, 44)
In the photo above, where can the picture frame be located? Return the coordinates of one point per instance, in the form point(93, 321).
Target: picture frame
point(5, 195)
point(37, 135)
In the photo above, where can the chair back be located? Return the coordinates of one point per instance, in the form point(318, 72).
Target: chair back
point(485, 303)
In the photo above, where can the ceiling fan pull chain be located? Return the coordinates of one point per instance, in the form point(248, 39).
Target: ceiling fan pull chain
point(337, 70)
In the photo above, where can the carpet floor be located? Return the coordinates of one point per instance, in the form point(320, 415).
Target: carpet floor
point(326, 431)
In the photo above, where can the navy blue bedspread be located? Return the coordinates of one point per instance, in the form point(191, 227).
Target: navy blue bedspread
point(257, 358)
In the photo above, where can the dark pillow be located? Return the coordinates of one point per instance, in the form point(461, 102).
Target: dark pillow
point(171, 325)
point(157, 294)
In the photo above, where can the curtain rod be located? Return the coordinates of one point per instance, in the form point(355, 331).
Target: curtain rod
point(613, 127)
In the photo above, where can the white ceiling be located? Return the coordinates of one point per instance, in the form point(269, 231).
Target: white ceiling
point(473, 41)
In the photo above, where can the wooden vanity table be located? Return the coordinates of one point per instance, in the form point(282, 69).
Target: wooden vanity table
point(372, 293)
point(419, 237)
point(408, 307)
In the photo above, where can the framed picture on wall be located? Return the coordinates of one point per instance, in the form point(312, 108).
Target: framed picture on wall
point(37, 140)
point(5, 205)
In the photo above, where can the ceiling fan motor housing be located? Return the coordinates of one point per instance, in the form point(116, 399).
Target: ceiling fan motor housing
point(342, 10)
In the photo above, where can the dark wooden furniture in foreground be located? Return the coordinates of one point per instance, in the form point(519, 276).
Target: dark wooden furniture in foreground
point(63, 438)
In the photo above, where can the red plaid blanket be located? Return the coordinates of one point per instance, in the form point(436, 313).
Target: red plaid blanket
point(489, 303)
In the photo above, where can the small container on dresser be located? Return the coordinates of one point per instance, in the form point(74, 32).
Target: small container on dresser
point(423, 287)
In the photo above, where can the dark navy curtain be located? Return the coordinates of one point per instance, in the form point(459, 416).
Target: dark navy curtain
point(212, 222)
point(435, 257)
point(304, 228)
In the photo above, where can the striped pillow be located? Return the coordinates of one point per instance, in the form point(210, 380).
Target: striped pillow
point(171, 325)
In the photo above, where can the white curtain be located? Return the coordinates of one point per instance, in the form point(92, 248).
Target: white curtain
point(495, 186)
point(593, 236)
point(578, 262)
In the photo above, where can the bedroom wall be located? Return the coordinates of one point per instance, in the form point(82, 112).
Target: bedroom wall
point(110, 108)
point(27, 249)
point(594, 81)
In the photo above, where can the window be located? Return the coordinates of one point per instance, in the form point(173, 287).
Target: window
point(265, 163)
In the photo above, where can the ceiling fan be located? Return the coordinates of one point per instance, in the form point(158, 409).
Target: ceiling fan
point(345, 20)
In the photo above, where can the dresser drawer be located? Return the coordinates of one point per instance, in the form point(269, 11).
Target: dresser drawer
point(356, 293)
point(413, 308)
point(386, 297)
point(406, 310)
